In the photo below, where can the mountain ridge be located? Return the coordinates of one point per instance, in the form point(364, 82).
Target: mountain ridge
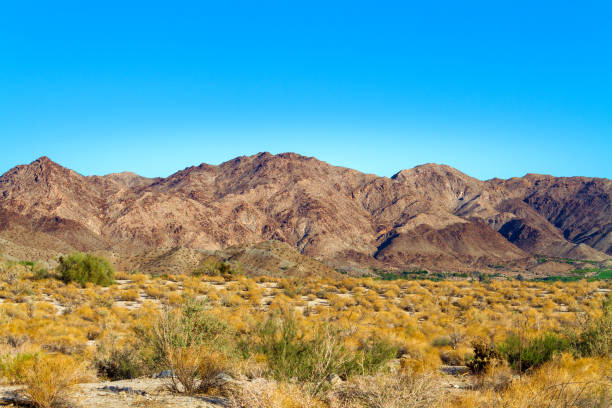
point(430, 215)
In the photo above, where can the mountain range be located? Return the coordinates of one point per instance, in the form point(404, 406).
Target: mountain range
point(431, 216)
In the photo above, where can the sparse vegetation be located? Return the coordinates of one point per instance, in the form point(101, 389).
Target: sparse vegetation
point(314, 342)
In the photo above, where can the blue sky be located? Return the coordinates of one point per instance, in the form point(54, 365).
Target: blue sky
point(494, 88)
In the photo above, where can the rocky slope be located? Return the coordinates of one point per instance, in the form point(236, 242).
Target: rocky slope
point(431, 215)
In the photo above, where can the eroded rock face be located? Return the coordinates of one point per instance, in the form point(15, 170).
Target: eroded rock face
point(430, 214)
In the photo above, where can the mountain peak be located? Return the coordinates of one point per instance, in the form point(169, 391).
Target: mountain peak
point(44, 163)
point(430, 169)
point(44, 159)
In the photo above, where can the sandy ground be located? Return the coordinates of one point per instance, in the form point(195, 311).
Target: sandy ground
point(153, 393)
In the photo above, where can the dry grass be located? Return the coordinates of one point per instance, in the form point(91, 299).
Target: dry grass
point(269, 394)
point(405, 390)
point(563, 383)
point(130, 295)
point(48, 379)
point(497, 377)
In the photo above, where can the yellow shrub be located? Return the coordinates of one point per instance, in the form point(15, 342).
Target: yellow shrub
point(420, 359)
point(48, 378)
point(138, 278)
point(155, 292)
point(175, 299)
point(270, 394)
point(129, 295)
point(196, 368)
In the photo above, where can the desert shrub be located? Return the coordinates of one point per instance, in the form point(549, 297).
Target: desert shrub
point(118, 363)
point(10, 272)
point(452, 357)
point(313, 359)
point(484, 354)
point(497, 377)
point(269, 394)
point(83, 268)
point(12, 366)
point(290, 292)
point(407, 390)
point(154, 292)
point(596, 337)
point(190, 342)
point(129, 295)
point(373, 355)
point(219, 268)
point(48, 378)
point(524, 354)
point(39, 271)
point(291, 355)
point(195, 368)
point(441, 341)
point(420, 358)
point(562, 382)
point(184, 363)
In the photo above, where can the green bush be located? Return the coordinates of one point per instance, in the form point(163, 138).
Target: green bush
point(290, 355)
point(188, 326)
point(313, 359)
point(374, 354)
point(40, 272)
point(524, 354)
point(191, 343)
point(83, 268)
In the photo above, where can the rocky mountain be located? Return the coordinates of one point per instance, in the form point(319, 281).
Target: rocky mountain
point(428, 216)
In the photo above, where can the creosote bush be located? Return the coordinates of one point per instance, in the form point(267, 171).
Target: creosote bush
point(191, 343)
point(524, 354)
point(85, 268)
point(291, 354)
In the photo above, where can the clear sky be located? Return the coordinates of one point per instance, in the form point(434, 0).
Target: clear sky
point(494, 88)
